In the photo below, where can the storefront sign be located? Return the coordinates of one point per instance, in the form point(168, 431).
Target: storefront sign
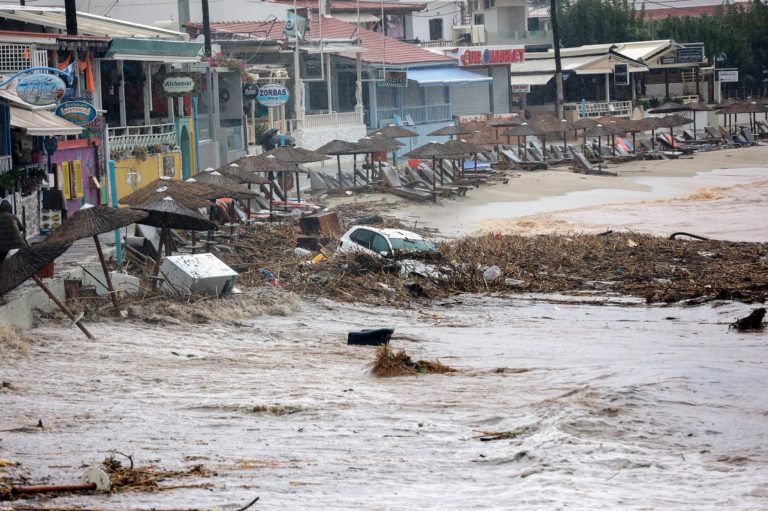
point(728, 75)
point(40, 89)
point(392, 78)
point(250, 91)
point(692, 55)
point(668, 60)
point(520, 89)
point(178, 84)
point(490, 55)
point(78, 112)
point(273, 95)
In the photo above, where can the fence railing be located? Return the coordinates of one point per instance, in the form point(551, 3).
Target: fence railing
point(418, 114)
point(598, 109)
point(18, 57)
point(5, 164)
point(332, 119)
point(127, 138)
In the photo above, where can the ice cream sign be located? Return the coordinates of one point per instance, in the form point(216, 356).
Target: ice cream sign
point(40, 89)
point(78, 112)
point(490, 55)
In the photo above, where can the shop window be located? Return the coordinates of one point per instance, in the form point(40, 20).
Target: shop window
point(436, 29)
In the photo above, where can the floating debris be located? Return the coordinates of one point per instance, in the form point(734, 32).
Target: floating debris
point(389, 363)
point(751, 323)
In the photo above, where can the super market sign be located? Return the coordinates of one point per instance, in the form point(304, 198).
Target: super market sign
point(490, 55)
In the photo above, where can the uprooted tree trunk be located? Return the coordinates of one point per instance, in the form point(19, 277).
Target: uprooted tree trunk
point(752, 322)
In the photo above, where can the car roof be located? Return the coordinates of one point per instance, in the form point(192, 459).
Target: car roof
point(394, 233)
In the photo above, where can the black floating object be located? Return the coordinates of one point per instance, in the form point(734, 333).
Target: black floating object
point(371, 337)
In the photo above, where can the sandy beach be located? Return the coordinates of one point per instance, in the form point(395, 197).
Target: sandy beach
point(720, 194)
point(558, 402)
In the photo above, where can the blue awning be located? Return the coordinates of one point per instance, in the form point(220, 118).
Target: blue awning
point(445, 76)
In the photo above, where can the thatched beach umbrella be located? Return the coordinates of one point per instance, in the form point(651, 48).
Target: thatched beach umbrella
point(167, 214)
point(432, 150)
point(192, 195)
point(25, 263)
point(225, 184)
point(295, 155)
point(600, 131)
point(672, 121)
point(451, 130)
point(523, 130)
point(464, 148)
point(90, 221)
point(342, 147)
point(752, 108)
point(397, 131)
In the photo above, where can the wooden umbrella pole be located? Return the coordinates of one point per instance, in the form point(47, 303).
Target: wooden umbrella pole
point(271, 198)
point(298, 188)
point(107, 276)
point(63, 307)
point(434, 179)
point(338, 165)
point(354, 169)
point(159, 258)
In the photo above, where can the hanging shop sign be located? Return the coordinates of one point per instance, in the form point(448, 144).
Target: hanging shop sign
point(78, 112)
point(392, 78)
point(490, 55)
point(520, 89)
point(40, 89)
point(273, 95)
point(250, 91)
point(178, 84)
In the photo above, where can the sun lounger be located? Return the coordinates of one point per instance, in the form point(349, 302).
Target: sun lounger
point(394, 184)
point(586, 166)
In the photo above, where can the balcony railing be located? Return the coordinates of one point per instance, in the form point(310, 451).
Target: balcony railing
point(595, 109)
point(5, 164)
point(418, 114)
point(127, 138)
point(18, 57)
point(332, 119)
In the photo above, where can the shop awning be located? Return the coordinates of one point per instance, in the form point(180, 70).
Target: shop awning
point(42, 123)
point(442, 76)
point(153, 50)
point(532, 80)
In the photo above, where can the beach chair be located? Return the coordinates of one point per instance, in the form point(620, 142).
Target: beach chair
point(746, 131)
point(394, 184)
point(586, 167)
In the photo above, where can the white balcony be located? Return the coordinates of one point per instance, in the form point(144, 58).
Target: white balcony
point(127, 138)
point(18, 57)
point(599, 109)
point(332, 119)
point(421, 114)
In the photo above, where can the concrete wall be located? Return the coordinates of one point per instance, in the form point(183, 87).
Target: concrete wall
point(140, 172)
point(312, 138)
point(417, 25)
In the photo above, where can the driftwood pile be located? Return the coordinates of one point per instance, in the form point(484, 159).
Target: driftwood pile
point(653, 268)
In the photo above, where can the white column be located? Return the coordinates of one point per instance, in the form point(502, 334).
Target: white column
point(607, 87)
point(329, 83)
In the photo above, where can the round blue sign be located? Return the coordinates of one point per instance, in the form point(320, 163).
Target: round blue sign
point(273, 95)
point(78, 112)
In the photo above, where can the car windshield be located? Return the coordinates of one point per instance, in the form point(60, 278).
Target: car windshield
point(409, 245)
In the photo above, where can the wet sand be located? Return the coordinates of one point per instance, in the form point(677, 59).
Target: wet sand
point(611, 406)
point(658, 197)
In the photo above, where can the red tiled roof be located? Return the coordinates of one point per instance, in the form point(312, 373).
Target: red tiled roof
point(380, 49)
point(366, 6)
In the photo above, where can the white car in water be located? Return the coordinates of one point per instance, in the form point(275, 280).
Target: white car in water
point(388, 242)
point(383, 242)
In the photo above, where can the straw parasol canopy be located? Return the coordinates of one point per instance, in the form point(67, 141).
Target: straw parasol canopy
point(396, 132)
point(191, 194)
point(585, 122)
point(600, 131)
point(168, 213)
point(226, 184)
point(25, 263)
point(21, 266)
point(523, 130)
point(506, 123)
point(339, 147)
point(92, 221)
point(248, 165)
point(674, 120)
point(389, 142)
point(698, 106)
point(295, 154)
point(752, 107)
point(462, 147)
point(451, 129)
point(481, 138)
point(669, 107)
point(431, 150)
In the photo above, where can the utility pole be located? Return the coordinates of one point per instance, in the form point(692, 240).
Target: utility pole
point(558, 66)
point(70, 13)
point(206, 28)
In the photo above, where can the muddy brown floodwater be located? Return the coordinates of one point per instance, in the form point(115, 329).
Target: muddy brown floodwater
point(611, 404)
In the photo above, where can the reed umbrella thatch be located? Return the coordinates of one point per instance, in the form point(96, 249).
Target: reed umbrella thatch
point(451, 130)
point(25, 263)
point(295, 154)
point(670, 107)
point(192, 195)
point(397, 131)
point(225, 184)
point(90, 221)
point(463, 147)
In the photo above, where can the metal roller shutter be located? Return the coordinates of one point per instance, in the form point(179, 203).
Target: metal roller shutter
point(501, 89)
point(470, 99)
